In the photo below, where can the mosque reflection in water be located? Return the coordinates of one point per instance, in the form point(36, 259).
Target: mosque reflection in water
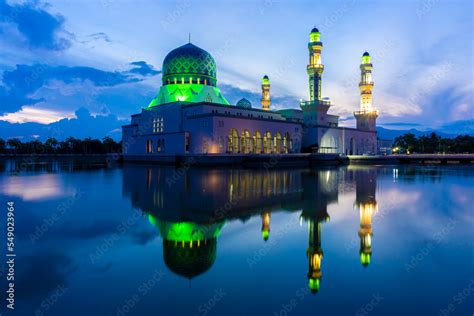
point(189, 208)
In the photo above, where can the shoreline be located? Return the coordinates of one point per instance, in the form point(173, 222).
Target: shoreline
point(250, 160)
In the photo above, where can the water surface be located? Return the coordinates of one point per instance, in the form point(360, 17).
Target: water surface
point(145, 240)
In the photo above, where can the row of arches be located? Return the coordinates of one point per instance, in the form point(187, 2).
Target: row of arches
point(257, 143)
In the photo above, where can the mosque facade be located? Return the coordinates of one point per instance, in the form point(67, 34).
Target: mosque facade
point(189, 115)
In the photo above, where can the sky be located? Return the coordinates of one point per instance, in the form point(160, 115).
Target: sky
point(81, 68)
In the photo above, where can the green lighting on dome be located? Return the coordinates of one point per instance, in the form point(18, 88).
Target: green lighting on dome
point(188, 93)
point(314, 284)
point(186, 231)
point(265, 80)
point(265, 234)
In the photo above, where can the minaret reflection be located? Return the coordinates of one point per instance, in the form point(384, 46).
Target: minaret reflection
point(321, 188)
point(366, 186)
point(266, 216)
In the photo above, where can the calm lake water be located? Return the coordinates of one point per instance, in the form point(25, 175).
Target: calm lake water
point(141, 240)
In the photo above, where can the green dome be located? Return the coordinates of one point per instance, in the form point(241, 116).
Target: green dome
point(189, 261)
point(189, 61)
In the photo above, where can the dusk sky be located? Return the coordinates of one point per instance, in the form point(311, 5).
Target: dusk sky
point(81, 68)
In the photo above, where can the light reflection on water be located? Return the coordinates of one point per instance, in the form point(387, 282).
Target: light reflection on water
point(141, 240)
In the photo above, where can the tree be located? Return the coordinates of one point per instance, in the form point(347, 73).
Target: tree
point(407, 143)
point(51, 144)
point(15, 144)
point(3, 147)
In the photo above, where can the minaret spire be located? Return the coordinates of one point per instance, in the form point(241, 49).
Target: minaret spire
point(189, 37)
point(265, 101)
point(315, 68)
point(367, 116)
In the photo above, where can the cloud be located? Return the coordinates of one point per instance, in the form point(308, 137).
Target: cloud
point(23, 81)
point(143, 69)
point(47, 271)
point(100, 36)
point(82, 126)
point(233, 94)
point(40, 28)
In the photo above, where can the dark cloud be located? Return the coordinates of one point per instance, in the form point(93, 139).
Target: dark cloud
point(143, 237)
point(100, 36)
point(85, 125)
point(39, 27)
point(143, 69)
point(24, 80)
point(234, 94)
point(44, 272)
point(400, 124)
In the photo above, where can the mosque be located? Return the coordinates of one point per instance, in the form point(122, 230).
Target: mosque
point(189, 115)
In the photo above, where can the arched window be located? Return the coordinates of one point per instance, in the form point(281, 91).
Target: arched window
point(233, 141)
point(287, 143)
point(267, 143)
point(278, 148)
point(245, 143)
point(257, 142)
point(163, 148)
point(158, 147)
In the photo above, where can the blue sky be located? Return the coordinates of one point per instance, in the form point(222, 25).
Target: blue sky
point(82, 68)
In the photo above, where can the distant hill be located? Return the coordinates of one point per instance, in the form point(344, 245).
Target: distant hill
point(390, 134)
point(448, 130)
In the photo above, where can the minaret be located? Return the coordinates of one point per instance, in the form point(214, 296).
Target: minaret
point(315, 255)
point(316, 105)
point(266, 216)
point(315, 68)
point(366, 117)
point(265, 93)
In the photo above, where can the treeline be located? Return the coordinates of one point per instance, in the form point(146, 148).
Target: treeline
point(433, 143)
point(69, 146)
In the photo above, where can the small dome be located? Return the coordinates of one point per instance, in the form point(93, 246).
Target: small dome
point(189, 61)
point(265, 80)
point(314, 30)
point(244, 103)
point(265, 77)
point(366, 54)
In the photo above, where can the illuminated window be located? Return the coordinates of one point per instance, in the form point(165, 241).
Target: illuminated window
point(182, 80)
point(149, 146)
point(199, 81)
point(158, 148)
point(175, 81)
point(158, 125)
point(186, 143)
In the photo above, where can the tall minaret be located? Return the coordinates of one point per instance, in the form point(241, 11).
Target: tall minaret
point(367, 115)
point(366, 84)
point(265, 93)
point(315, 68)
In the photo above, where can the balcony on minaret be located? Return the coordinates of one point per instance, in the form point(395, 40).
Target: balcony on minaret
point(320, 105)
